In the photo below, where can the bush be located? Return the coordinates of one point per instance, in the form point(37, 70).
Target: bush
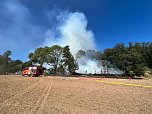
point(141, 70)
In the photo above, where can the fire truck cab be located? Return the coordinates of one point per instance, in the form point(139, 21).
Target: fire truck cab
point(33, 71)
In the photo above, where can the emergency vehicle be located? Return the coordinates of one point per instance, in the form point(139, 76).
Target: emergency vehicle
point(33, 71)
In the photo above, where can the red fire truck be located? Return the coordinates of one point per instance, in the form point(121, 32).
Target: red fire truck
point(33, 71)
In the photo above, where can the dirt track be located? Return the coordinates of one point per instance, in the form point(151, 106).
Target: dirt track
point(62, 95)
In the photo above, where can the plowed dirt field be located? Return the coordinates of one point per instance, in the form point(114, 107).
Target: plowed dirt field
point(73, 95)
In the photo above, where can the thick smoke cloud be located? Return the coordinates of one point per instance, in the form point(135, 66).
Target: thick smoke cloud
point(89, 66)
point(71, 31)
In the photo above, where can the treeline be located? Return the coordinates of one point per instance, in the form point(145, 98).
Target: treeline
point(7, 65)
point(134, 58)
point(58, 58)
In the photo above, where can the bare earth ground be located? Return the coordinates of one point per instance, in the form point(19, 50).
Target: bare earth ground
point(71, 95)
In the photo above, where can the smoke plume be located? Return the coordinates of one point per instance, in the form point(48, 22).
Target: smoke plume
point(72, 30)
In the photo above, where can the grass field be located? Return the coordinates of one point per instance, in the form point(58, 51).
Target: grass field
point(74, 95)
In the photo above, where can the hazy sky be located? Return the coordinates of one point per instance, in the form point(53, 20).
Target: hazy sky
point(25, 24)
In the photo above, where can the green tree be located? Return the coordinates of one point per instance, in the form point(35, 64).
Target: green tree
point(54, 57)
point(39, 56)
point(5, 60)
point(133, 58)
point(68, 60)
point(149, 55)
point(61, 69)
point(14, 66)
point(130, 61)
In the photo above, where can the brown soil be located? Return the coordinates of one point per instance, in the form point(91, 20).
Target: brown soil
point(71, 95)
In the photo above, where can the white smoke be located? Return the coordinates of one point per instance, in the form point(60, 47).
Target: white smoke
point(89, 66)
point(72, 31)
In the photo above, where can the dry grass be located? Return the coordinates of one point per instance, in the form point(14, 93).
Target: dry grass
point(59, 95)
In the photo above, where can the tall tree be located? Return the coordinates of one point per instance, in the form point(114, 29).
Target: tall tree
point(54, 56)
point(68, 60)
point(5, 61)
point(15, 66)
point(39, 55)
point(136, 57)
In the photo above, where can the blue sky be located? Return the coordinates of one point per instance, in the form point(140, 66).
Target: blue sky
point(24, 22)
